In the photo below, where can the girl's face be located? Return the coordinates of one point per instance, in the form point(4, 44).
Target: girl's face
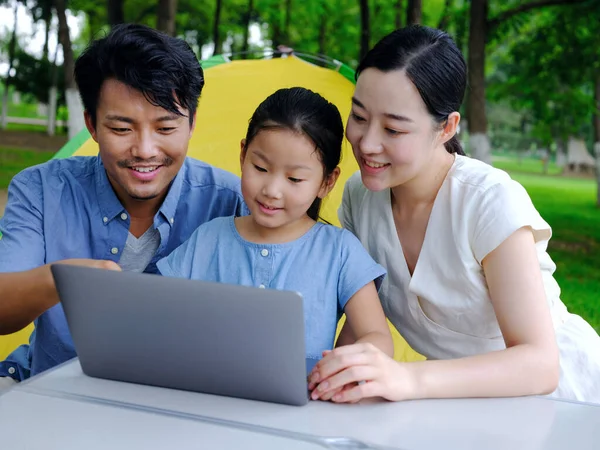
point(282, 175)
point(393, 136)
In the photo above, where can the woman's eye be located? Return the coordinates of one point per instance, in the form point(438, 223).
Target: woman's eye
point(357, 117)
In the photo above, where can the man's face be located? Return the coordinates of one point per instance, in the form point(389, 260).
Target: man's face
point(142, 146)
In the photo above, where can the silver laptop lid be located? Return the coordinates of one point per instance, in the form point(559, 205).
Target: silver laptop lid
point(215, 338)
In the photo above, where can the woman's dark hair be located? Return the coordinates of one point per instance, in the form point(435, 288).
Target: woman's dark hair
point(163, 68)
point(434, 64)
point(305, 112)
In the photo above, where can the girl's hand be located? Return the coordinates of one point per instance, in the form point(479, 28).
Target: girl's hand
point(353, 372)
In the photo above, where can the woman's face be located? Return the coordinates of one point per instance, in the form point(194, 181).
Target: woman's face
point(393, 136)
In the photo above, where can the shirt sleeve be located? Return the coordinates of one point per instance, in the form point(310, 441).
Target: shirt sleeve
point(504, 208)
point(180, 262)
point(22, 240)
point(345, 209)
point(357, 269)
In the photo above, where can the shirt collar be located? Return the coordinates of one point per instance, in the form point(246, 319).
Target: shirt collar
point(110, 206)
point(169, 205)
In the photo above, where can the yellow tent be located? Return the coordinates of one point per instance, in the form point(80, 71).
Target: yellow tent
point(233, 91)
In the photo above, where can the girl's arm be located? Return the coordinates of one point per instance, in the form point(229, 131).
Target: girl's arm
point(365, 320)
point(528, 366)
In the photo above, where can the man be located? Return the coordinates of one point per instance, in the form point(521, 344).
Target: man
point(132, 205)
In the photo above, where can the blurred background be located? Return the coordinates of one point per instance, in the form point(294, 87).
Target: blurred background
point(532, 106)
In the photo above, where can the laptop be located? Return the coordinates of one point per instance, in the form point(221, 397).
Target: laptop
point(192, 335)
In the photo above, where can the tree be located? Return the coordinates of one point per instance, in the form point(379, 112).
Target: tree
point(76, 123)
point(116, 14)
point(365, 28)
point(165, 21)
point(12, 46)
point(481, 26)
point(413, 12)
point(247, 20)
point(216, 35)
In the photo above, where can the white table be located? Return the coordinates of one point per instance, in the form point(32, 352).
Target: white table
point(65, 409)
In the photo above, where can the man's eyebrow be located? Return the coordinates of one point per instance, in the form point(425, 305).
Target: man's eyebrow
point(169, 117)
point(389, 115)
point(119, 118)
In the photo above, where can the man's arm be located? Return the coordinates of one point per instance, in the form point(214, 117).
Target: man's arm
point(26, 295)
point(26, 284)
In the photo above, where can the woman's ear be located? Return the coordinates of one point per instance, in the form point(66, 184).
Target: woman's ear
point(450, 127)
point(329, 183)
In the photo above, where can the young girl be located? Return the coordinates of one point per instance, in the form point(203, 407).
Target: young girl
point(469, 282)
point(289, 162)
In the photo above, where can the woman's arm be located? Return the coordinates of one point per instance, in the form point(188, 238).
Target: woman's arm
point(529, 365)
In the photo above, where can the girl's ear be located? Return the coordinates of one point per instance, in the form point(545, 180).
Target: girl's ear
point(242, 152)
point(329, 183)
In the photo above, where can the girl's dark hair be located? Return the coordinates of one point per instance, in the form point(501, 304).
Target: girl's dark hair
point(434, 64)
point(163, 68)
point(303, 111)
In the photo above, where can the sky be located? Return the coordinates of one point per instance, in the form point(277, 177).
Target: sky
point(32, 36)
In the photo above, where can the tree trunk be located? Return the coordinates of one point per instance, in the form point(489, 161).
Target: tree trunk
point(115, 12)
point(323, 32)
point(74, 106)
point(52, 97)
point(47, 17)
point(286, 23)
point(167, 9)
point(399, 10)
point(12, 47)
point(247, 20)
point(478, 139)
point(413, 12)
point(365, 28)
point(597, 135)
point(445, 19)
point(216, 35)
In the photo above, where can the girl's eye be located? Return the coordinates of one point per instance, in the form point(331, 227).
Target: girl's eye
point(294, 180)
point(260, 169)
point(357, 117)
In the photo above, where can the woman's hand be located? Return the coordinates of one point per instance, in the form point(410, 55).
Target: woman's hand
point(353, 372)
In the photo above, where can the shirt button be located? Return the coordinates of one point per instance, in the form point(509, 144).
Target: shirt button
point(114, 250)
point(105, 219)
point(123, 216)
point(264, 252)
point(262, 286)
point(11, 370)
point(172, 220)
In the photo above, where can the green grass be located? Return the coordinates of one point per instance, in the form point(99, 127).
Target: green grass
point(524, 165)
point(12, 161)
point(568, 205)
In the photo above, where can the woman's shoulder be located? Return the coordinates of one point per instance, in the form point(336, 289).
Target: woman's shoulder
point(477, 180)
point(471, 172)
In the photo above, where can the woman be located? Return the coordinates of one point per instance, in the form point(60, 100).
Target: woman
point(469, 281)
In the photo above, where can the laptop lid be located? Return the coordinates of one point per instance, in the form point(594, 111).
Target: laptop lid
point(207, 337)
